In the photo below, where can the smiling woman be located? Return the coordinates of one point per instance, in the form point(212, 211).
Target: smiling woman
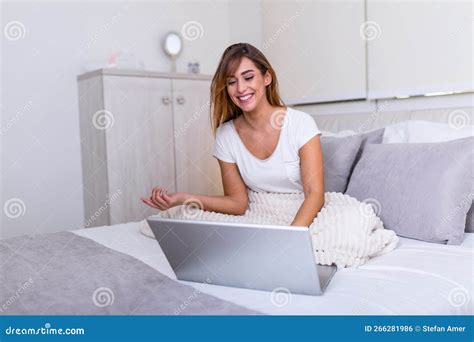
point(261, 144)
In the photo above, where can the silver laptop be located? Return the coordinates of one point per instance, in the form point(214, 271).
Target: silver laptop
point(253, 256)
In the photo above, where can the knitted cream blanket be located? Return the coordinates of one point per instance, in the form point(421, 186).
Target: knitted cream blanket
point(346, 232)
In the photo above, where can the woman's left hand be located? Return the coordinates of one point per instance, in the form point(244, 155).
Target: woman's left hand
point(161, 199)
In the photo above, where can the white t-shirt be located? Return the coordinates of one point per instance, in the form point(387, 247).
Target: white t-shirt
point(281, 171)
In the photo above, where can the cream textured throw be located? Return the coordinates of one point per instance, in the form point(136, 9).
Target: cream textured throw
point(345, 232)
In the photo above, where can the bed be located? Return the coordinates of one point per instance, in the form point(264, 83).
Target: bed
point(417, 278)
point(118, 270)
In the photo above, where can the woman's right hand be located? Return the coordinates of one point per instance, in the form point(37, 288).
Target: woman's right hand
point(161, 199)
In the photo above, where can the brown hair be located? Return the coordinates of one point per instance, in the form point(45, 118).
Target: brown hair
point(222, 107)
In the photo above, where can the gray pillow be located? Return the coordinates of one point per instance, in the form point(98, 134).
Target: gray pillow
point(371, 137)
point(421, 188)
point(340, 155)
point(470, 201)
point(470, 221)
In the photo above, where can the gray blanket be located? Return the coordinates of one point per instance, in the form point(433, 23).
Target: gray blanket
point(66, 274)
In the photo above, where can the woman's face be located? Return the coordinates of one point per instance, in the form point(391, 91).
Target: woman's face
point(247, 86)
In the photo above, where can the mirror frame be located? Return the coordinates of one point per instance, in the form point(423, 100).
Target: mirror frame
point(165, 46)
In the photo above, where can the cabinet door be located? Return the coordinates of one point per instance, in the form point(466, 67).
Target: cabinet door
point(93, 153)
point(197, 171)
point(316, 49)
point(420, 47)
point(139, 143)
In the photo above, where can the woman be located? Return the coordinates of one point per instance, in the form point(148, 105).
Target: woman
point(260, 143)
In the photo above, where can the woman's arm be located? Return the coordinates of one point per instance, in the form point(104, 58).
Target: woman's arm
point(312, 176)
point(234, 201)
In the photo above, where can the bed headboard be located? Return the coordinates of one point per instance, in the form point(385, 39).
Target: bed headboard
point(361, 116)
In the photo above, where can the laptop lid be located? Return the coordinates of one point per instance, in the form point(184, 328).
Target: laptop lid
point(262, 257)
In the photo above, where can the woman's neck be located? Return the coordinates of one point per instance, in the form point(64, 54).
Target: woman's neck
point(259, 118)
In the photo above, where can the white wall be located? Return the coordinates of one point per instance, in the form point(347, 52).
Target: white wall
point(40, 160)
point(246, 26)
point(41, 163)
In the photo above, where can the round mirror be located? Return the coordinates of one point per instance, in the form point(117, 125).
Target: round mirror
point(172, 44)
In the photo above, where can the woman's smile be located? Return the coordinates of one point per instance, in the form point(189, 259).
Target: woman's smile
point(245, 99)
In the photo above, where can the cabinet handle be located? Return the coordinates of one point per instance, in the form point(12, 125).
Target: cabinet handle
point(166, 100)
point(180, 99)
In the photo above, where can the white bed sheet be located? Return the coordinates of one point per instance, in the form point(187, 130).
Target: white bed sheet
point(417, 278)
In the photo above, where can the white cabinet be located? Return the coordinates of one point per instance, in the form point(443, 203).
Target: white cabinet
point(139, 130)
point(196, 169)
point(327, 51)
point(419, 47)
point(316, 49)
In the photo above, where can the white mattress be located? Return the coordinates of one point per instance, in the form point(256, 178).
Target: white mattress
point(417, 278)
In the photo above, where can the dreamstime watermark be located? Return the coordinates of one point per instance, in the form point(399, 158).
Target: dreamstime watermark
point(280, 297)
point(103, 296)
point(464, 205)
point(458, 119)
point(14, 30)
point(280, 31)
point(192, 30)
point(370, 206)
point(103, 119)
point(279, 119)
point(192, 208)
point(367, 123)
point(187, 124)
point(106, 27)
point(362, 305)
point(458, 297)
point(26, 108)
point(103, 208)
point(16, 295)
point(370, 30)
point(14, 208)
point(46, 330)
point(183, 305)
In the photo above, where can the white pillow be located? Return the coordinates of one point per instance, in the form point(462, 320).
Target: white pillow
point(418, 131)
point(396, 133)
point(344, 133)
point(430, 132)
